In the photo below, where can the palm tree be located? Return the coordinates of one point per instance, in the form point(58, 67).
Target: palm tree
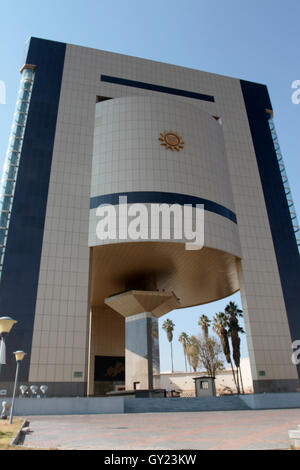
point(233, 314)
point(204, 322)
point(219, 326)
point(168, 326)
point(183, 339)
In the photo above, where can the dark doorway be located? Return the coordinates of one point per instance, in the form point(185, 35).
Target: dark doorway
point(109, 374)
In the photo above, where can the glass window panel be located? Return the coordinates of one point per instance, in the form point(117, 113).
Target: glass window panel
point(4, 218)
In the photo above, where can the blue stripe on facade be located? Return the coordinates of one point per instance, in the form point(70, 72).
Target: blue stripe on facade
point(156, 197)
point(161, 89)
point(257, 100)
point(19, 282)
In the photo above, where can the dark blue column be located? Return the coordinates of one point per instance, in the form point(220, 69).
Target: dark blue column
point(257, 100)
point(19, 282)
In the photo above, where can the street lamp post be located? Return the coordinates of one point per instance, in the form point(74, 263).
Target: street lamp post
point(19, 355)
point(6, 324)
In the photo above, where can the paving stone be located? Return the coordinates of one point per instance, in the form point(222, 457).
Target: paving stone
point(248, 429)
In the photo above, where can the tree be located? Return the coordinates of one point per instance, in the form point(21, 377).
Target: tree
point(204, 322)
point(193, 352)
point(183, 339)
point(169, 326)
point(209, 355)
point(233, 314)
point(219, 326)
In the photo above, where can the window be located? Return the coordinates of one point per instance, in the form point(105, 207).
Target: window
point(102, 98)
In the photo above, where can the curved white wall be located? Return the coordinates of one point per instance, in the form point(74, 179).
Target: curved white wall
point(128, 157)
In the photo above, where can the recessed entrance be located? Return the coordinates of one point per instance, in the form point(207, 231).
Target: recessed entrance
point(109, 374)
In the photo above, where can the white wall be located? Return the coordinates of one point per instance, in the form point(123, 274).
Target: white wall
point(184, 382)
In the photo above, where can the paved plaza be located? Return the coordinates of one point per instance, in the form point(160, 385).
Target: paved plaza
point(216, 430)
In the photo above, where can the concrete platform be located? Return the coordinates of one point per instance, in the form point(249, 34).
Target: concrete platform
point(237, 430)
point(123, 405)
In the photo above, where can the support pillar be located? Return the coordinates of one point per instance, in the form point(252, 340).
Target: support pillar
point(142, 352)
point(141, 310)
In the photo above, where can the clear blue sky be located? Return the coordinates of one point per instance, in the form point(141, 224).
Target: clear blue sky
point(256, 40)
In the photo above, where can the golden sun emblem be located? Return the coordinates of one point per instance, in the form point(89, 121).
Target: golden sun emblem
point(171, 141)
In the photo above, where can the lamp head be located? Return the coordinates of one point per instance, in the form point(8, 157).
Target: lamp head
point(19, 355)
point(43, 388)
point(6, 324)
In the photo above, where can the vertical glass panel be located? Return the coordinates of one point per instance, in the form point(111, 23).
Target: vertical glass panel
point(2, 236)
point(10, 169)
point(10, 172)
point(20, 118)
point(285, 182)
point(24, 94)
point(4, 216)
point(5, 202)
point(17, 130)
point(12, 157)
point(7, 187)
point(15, 144)
point(21, 106)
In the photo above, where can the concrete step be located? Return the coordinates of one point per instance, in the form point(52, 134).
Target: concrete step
point(156, 405)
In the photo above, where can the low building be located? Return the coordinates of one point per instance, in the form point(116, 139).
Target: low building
point(183, 381)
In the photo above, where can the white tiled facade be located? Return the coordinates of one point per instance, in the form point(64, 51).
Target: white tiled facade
point(61, 327)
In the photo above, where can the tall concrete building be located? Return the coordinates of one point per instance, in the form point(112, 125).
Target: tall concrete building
point(94, 129)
